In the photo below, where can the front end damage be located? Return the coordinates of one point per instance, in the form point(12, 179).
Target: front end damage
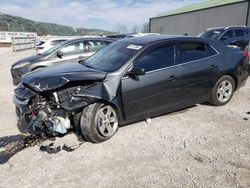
point(51, 111)
point(53, 99)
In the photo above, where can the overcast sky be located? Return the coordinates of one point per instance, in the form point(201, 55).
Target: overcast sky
point(103, 14)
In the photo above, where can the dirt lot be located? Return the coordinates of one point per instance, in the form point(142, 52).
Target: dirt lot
point(202, 146)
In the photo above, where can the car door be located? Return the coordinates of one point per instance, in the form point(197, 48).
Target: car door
point(154, 91)
point(199, 70)
point(71, 51)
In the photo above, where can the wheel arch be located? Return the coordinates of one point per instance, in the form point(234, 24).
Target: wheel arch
point(115, 105)
point(234, 78)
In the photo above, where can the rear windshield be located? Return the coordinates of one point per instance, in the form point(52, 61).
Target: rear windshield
point(214, 34)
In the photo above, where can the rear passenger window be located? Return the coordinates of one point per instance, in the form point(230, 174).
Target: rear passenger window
point(239, 32)
point(194, 51)
point(158, 58)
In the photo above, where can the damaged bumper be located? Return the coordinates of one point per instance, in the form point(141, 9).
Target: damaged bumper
point(22, 107)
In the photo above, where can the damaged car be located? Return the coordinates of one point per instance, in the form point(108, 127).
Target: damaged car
point(128, 81)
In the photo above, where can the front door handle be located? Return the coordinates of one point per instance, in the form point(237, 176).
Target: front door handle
point(172, 78)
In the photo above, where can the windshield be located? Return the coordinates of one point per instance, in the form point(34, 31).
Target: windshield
point(54, 48)
point(211, 34)
point(113, 56)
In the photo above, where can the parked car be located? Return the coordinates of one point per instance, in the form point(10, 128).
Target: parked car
point(127, 81)
point(76, 49)
point(46, 45)
point(233, 35)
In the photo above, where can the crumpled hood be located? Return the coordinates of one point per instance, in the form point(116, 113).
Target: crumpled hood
point(58, 75)
point(29, 59)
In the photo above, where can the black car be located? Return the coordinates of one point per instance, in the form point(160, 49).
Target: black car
point(130, 80)
point(76, 49)
point(233, 35)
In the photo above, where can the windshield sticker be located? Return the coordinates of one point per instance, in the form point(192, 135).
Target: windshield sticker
point(134, 47)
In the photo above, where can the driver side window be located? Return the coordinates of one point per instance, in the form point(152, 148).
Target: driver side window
point(158, 58)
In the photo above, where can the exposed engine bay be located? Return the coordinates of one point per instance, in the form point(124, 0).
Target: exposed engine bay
point(55, 111)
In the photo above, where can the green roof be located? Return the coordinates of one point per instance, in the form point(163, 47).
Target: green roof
point(199, 6)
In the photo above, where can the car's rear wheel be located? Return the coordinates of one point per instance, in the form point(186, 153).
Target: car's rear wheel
point(99, 122)
point(223, 91)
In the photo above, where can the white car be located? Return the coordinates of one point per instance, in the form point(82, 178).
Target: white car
point(48, 44)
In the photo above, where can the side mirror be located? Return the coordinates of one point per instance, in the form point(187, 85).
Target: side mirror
point(59, 54)
point(136, 71)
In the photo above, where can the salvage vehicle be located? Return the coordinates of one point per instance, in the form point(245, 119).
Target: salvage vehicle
point(232, 35)
point(70, 50)
point(128, 81)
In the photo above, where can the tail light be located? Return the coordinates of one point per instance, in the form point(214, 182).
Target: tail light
point(246, 55)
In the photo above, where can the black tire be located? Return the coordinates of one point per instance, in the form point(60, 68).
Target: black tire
point(90, 123)
point(219, 99)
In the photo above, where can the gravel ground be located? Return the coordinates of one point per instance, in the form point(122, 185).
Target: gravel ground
point(202, 146)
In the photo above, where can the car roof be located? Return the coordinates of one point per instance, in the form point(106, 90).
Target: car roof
point(144, 40)
point(228, 27)
point(92, 38)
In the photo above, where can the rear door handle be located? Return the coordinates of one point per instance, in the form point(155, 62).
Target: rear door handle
point(172, 78)
point(213, 67)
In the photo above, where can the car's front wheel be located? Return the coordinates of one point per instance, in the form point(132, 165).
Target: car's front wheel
point(99, 122)
point(223, 91)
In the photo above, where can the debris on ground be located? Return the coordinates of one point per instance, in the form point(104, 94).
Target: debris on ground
point(11, 145)
point(50, 149)
point(71, 148)
point(148, 120)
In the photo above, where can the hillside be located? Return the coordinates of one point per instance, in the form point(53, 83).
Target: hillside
point(14, 23)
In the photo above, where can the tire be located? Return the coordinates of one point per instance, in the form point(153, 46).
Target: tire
point(223, 91)
point(98, 122)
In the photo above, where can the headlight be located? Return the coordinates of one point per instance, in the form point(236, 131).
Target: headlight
point(20, 65)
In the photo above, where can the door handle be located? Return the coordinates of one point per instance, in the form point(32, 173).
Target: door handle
point(213, 67)
point(172, 78)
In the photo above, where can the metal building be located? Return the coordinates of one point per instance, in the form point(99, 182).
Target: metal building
point(196, 18)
